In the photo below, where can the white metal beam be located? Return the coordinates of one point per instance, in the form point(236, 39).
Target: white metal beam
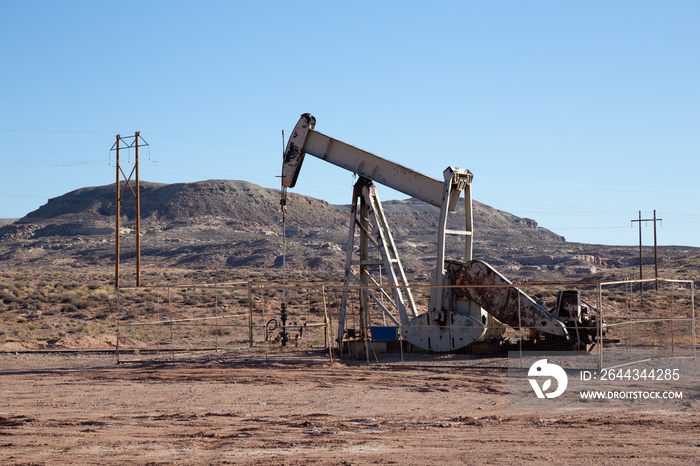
point(305, 140)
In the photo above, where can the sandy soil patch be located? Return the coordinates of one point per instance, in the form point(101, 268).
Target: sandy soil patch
point(84, 409)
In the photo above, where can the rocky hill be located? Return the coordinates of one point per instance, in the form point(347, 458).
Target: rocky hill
point(219, 224)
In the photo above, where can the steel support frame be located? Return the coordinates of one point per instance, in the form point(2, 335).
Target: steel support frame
point(456, 181)
point(368, 217)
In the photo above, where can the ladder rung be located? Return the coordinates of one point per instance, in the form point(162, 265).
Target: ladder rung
point(458, 232)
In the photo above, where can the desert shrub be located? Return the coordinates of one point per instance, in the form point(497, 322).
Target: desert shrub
point(80, 329)
point(31, 305)
point(102, 315)
point(220, 331)
point(37, 295)
point(33, 315)
point(7, 296)
point(101, 295)
point(191, 300)
point(315, 299)
point(151, 308)
point(68, 308)
point(138, 299)
point(129, 314)
point(617, 298)
point(81, 303)
point(222, 301)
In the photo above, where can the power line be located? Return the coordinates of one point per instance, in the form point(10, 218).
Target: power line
point(586, 228)
point(48, 163)
point(270, 151)
point(599, 186)
point(51, 131)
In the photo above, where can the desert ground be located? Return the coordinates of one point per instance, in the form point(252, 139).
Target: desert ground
point(83, 408)
point(66, 400)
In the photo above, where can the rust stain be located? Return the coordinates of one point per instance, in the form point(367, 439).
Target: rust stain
point(508, 304)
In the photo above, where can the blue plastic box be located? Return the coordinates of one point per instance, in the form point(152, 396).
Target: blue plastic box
point(384, 333)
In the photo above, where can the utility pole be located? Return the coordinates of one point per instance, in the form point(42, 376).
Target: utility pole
point(129, 142)
point(116, 223)
point(656, 255)
point(138, 210)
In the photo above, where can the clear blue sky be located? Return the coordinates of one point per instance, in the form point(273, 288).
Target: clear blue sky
point(576, 114)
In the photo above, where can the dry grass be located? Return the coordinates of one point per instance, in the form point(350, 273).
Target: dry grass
point(41, 305)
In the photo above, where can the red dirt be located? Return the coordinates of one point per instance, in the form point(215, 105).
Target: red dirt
point(84, 409)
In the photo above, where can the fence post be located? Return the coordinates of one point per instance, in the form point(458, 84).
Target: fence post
point(692, 307)
point(628, 302)
point(328, 328)
point(250, 314)
point(673, 314)
point(117, 345)
point(117, 296)
point(600, 326)
point(520, 327)
point(217, 325)
point(172, 326)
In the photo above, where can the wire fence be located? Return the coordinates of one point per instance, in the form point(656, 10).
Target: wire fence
point(240, 320)
point(260, 322)
point(647, 319)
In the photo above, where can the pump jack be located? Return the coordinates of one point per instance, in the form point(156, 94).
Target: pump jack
point(459, 311)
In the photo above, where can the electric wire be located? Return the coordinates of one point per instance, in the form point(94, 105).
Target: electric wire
point(48, 163)
point(323, 189)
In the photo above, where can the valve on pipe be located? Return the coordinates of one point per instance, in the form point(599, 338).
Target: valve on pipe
point(283, 319)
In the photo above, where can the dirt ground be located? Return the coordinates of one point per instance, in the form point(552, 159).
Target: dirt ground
point(84, 409)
